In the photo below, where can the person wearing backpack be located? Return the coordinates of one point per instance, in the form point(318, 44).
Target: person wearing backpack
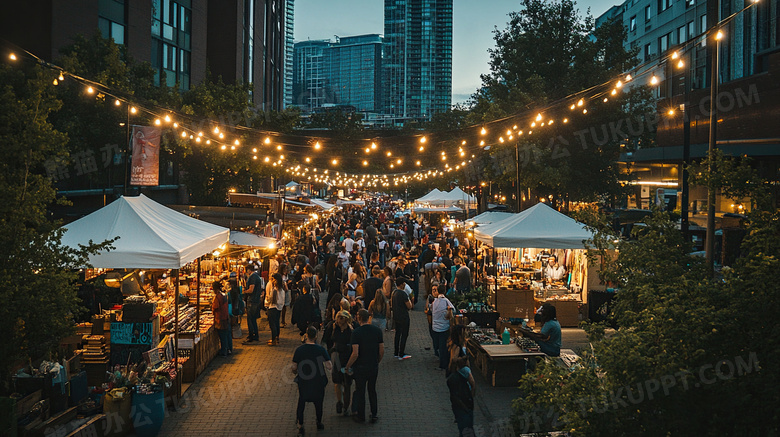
point(460, 382)
point(255, 292)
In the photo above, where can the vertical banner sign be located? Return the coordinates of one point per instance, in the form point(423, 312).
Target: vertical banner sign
point(145, 168)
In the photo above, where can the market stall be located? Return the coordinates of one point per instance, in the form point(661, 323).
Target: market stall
point(516, 252)
point(158, 328)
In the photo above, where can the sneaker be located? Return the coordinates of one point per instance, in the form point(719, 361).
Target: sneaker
point(374, 419)
point(399, 358)
point(320, 426)
point(347, 411)
point(406, 357)
point(339, 407)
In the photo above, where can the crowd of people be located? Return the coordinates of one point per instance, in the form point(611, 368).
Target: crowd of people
point(355, 276)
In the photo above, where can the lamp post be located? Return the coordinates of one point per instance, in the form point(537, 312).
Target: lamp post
point(715, 73)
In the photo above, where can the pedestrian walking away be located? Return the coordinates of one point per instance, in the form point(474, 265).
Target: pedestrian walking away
point(311, 363)
point(367, 352)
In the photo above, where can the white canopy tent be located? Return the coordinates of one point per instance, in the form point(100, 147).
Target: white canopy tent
point(489, 217)
point(323, 204)
point(434, 194)
point(420, 209)
point(537, 227)
point(245, 239)
point(151, 236)
point(350, 202)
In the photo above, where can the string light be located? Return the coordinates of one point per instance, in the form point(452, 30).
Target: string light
point(90, 90)
point(267, 140)
point(157, 122)
point(317, 146)
point(483, 131)
point(719, 35)
point(167, 118)
point(216, 130)
point(680, 64)
point(12, 57)
point(654, 80)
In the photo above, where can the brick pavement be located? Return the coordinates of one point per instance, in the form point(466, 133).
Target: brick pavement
point(252, 393)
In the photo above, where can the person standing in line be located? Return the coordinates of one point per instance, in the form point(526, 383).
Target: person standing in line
point(337, 337)
point(367, 352)
point(441, 309)
point(311, 363)
point(462, 282)
point(219, 306)
point(274, 301)
point(303, 311)
point(255, 292)
point(401, 304)
point(284, 270)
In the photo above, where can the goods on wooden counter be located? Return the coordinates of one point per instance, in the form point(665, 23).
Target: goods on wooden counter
point(527, 344)
point(485, 336)
point(95, 350)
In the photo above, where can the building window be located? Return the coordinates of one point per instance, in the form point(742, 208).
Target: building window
point(111, 19)
point(664, 5)
point(663, 43)
point(171, 40)
point(647, 13)
point(632, 24)
point(648, 48)
point(690, 3)
point(703, 26)
point(682, 36)
point(691, 29)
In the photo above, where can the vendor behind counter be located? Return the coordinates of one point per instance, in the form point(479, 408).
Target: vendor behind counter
point(549, 339)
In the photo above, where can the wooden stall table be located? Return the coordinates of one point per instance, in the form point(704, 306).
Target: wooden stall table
point(501, 364)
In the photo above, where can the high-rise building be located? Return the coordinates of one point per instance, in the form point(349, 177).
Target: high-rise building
point(289, 50)
point(417, 58)
point(310, 84)
point(354, 70)
point(242, 41)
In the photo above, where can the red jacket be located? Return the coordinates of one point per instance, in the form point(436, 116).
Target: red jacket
point(219, 306)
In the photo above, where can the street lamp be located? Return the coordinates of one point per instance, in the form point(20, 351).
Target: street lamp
point(713, 144)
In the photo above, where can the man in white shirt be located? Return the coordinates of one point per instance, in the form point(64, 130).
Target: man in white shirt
point(348, 243)
point(554, 271)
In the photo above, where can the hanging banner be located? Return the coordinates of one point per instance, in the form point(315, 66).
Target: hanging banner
point(145, 168)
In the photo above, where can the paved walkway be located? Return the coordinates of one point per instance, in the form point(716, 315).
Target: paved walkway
point(251, 393)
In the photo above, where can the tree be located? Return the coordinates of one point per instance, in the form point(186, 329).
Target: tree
point(576, 160)
point(36, 276)
point(690, 356)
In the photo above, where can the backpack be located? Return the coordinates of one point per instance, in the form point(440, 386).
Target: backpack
point(460, 392)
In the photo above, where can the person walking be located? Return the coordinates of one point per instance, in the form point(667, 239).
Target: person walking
point(367, 352)
point(337, 337)
point(219, 307)
point(303, 313)
point(442, 312)
point(311, 363)
point(274, 301)
point(379, 310)
point(255, 296)
point(460, 382)
point(401, 304)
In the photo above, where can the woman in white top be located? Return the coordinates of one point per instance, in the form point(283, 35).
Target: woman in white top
point(274, 301)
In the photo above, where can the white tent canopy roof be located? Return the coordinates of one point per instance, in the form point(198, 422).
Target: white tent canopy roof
point(537, 227)
point(238, 238)
point(151, 236)
point(458, 194)
point(434, 194)
point(350, 202)
point(322, 204)
point(489, 217)
point(418, 209)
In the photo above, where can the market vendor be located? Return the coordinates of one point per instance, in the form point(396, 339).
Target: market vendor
point(554, 271)
point(549, 339)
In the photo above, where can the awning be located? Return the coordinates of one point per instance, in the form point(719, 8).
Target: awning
point(238, 238)
point(151, 235)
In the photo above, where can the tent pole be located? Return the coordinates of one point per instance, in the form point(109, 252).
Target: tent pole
point(175, 275)
point(197, 295)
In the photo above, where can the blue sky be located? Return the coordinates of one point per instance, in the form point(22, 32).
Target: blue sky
point(473, 24)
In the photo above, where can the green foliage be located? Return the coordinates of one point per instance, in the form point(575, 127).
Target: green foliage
point(691, 355)
point(344, 124)
point(36, 280)
point(577, 160)
point(733, 176)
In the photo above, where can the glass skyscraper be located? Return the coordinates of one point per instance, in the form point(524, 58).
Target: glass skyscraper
point(354, 70)
point(289, 45)
point(417, 58)
point(310, 83)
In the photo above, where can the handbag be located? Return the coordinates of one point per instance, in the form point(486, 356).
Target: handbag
point(237, 333)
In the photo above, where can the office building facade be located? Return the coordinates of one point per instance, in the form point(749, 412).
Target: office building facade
point(354, 66)
point(242, 41)
point(311, 88)
point(289, 51)
point(417, 60)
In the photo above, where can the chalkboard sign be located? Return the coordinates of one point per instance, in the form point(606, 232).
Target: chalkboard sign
point(132, 333)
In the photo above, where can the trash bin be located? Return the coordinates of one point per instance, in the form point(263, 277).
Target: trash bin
point(116, 407)
point(148, 413)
